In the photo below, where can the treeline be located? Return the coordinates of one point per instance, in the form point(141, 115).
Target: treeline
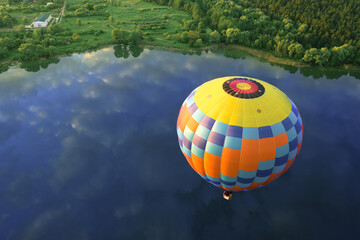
point(94, 8)
point(332, 22)
point(243, 22)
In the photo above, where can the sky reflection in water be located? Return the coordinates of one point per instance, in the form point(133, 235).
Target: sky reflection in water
point(88, 150)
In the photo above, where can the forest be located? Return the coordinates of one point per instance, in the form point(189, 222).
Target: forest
point(317, 32)
point(334, 22)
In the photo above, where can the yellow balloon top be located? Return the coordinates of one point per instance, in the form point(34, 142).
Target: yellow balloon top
point(221, 100)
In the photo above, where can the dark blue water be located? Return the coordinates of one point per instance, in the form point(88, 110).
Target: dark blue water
point(88, 150)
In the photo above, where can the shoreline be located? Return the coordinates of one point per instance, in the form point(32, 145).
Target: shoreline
point(269, 56)
point(260, 54)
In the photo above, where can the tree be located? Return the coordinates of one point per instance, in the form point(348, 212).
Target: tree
point(54, 29)
point(20, 28)
point(303, 28)
point(78, 21)
point(198, 43)
point(7, 21)
point(120, 36)
point(7, 43)
point(184, 37)
point(215, 37)
point(76, 37)
point(343, 54)
point(296, 50)
point(270, 45)
point(178, 4)
point(232, 35)
point(134, 38)
point(189, 25)
point(3, 52)
point(322, 57)
point(27, 52)
point(53, 42)
point(191, 43)
point(243, 38)
point(224, 23)
point(196, 12)
point(111, 19)
point(193, 35)
point(201, 27)
point(310, 55)
point(45, 42)
point(28, 34)
point(24, 5)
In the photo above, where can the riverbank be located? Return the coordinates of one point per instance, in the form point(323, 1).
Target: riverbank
point(269, 57)
point(254, 52)
point(219, 48)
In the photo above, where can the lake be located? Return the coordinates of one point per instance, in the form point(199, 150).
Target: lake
point(88, 150)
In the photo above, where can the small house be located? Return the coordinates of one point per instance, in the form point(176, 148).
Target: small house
point(42, 20)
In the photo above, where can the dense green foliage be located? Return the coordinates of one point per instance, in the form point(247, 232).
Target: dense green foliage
point(32, 45)
point(294, 29)
point(332, 22)
point(6, 20)
point(88, 8)
point(121, 36)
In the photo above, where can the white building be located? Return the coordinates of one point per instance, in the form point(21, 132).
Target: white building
point(42, 20)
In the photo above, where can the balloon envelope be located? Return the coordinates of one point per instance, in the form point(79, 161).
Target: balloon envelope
point(239, 133)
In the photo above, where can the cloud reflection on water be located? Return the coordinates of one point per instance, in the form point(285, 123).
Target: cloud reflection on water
point(89, 145)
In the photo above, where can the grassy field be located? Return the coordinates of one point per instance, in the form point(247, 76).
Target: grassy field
point(21, 15)
point(154, 21)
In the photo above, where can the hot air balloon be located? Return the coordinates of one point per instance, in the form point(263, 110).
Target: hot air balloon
point(239, 133)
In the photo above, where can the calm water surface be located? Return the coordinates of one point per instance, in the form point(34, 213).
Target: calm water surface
point(88, 150)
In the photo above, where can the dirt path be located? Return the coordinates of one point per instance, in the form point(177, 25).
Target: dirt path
point(62, 12)
point(7, 29)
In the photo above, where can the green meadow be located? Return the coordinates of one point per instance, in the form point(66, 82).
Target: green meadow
point(95, 31)
point(154, 21)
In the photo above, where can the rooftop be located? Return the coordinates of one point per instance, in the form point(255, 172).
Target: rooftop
point(42, 17)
